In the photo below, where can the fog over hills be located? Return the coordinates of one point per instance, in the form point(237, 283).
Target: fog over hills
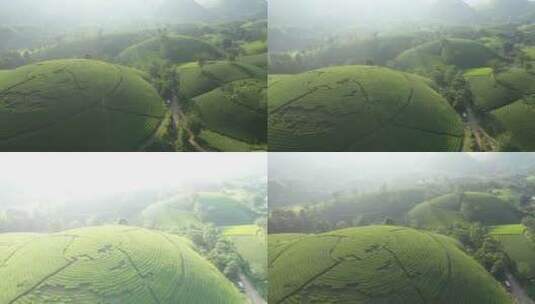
point(369, 13)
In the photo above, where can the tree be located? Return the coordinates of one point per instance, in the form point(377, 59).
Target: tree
point(122, 221)
point(529, 222)
point(388, 221)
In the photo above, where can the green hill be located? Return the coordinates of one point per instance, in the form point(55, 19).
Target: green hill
point(107, 46)
point(515, 119)
point(236, 110)
point(359, 108)
point(376, 264)
point(488, 92)
point(453, 208)
point(222, 209)
point(175, 49)
point(77, 105)
point(174, 213)
point(196, 80)
point(462, 53)
point(110, 264)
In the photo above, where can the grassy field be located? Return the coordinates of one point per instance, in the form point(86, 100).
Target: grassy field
point(376, 264)
point(222, 210)
point(518, 247)
point(251, 243)
point(359, 108)
point(109, 264)
point(462, 53)
point(77, 105)
point(236, 110)
point(463, 207)
point(174, 49)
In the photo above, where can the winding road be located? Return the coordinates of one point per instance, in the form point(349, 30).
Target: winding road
point(518, 292)
point(177, 117)
point(250, 291)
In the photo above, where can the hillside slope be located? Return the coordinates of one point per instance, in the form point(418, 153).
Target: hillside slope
point(109, 264)
point(463, 207)
point(359, 108)
point(377, 264)
point(77, 105)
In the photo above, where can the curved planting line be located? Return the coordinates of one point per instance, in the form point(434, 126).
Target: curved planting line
point(286, 247)
point(83, 110)
point(406, 272)
point(182, 263)
point(31, 289)
point(4, 262)
point(447, 253)
point(138, 272)
point(388, 122)
point(312, 279)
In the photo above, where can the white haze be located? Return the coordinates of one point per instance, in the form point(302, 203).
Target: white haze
point(101, 173)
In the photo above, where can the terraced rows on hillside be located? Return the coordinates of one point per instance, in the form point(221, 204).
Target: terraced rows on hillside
point(230, 100)
point(110, 264)
point(359, 108)
point(77, 105)
point(377, 264)
point(462, 53)
point(449, 209)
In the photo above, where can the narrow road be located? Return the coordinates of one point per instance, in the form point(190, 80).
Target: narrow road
point(179, 116)
point(250, 291)
point(484, 141)
point(518, 292)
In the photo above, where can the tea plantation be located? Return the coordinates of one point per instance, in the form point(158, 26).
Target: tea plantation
point(175, 49)
point(359, 108)
point(377, 264)
point(463, 207)
point(222, 210)
point(458, 52)
point(108, 264)
point(77, 105)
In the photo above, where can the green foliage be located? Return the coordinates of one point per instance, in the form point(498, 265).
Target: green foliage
point(250, 242)
point(348, 109)
point(109, 264)
point(376, 264)
point(77, 105)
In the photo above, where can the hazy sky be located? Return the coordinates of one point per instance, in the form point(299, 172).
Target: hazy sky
point(104, 172)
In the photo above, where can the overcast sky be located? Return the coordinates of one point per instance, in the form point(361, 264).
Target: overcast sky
point(104, 172)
